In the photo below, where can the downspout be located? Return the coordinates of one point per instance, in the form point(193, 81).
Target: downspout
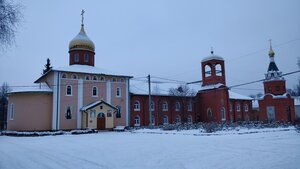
point(57, 101)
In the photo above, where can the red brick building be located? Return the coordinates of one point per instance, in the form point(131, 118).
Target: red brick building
point(276, 104)
point(214, 102)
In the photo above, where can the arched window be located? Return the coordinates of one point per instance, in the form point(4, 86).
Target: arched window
point(87, 77)
point(190, 119)
point(223, 114)
point(74, 76)
point(69, 90)
point(114, 79)
point(94, 78)
point(136, 106)
point(238, 107)
point(165, 106)
point(178, 119)
point(219, 71)
point(246, 108)
point(166, 119)
point(64, 76)
point(102, 79)
point(152, 106)
point(12, 111)
point(207, 69)
point(121, 80)
point(101, 115)
point(177, 106)
point(68, 113)
point(209, 113)
point(137, 120)
point(95, 91)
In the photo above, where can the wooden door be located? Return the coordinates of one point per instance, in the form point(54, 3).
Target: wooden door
point(101, 121)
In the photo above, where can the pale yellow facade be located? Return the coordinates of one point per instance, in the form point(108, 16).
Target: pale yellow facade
point(89, 117)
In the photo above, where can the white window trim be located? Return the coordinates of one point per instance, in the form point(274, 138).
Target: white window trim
point(103, 79)
point(238, 107)
point(97, 93)
point(165, 108)
point(72, 77)
point(139, 120)
point(223, 118)
point(67, 90)
point(246, 107)
point(64, 74)
point(120, 92)
point(87, 77)
point(12, 112)
point(138, 108)
point(177, 108)
point(76, 58)
point(167, 122)
point(95, 78)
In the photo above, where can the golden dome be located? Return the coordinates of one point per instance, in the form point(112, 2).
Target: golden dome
point(82, 42)
point(271, 52)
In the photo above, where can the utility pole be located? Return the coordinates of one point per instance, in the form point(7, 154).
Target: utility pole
point(150, 101)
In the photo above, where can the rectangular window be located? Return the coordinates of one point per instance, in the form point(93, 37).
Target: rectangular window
point(118, 114)
point(12, 111)
point(86, 57)
point(76, 59)
point(69, 90)
point(190, 107)
point(118, 92)
point(246, 108)
point(93, 114)
point(109, 113)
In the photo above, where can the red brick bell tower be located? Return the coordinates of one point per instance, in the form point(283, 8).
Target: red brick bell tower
point(276, 104)
point(213, 96)
point(213, 70)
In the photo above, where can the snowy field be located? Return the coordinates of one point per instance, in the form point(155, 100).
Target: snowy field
point(154, 149)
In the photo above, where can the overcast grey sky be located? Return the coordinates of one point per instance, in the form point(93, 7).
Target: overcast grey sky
point(165, 38)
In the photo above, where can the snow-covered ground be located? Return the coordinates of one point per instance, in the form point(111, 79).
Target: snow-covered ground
point(155, 149)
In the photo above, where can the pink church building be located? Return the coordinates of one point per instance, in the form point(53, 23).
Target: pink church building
point(77, 96)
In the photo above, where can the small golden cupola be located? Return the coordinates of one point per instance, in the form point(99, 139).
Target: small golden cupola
point(82, 48)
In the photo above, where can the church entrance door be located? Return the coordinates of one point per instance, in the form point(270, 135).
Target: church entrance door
point(101, 121)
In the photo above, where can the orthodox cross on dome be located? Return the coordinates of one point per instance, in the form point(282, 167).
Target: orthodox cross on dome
point(271, 52)
point(211, 50)
point(82, 17)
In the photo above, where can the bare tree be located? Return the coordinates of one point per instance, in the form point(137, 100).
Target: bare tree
point(185, 96)
point(4, 89)
point(10, 16)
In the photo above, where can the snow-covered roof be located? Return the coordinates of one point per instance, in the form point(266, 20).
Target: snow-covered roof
point(212, 57)
point(158, 89)
point(285, 95)
point(236, 96)
point(255, 104)
point(86, 69)
point(297, 101)
point(213, 86)
point(84, 108)
point(35, 88)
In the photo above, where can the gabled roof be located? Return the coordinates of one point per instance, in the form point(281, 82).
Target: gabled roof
point(213, 86)
point(96, 103)
point(236, 96)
